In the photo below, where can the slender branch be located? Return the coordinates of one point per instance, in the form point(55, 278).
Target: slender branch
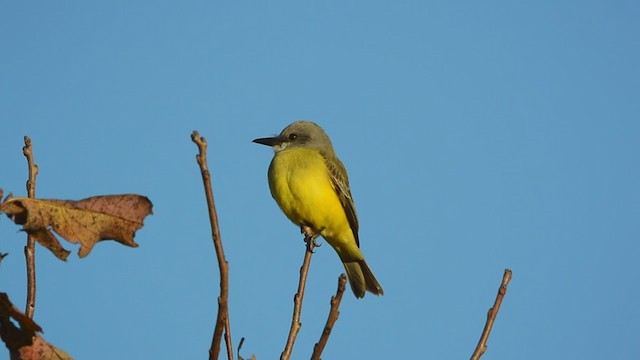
point(30, 248)
point(227, 324)
point(253, 357)
point(239, 348)
point(491, 316)
point(331, 320)
point(297, 299)
point(2, 256)
point(222, 319)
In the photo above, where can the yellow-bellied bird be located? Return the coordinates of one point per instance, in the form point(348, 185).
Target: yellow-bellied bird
point(311, 186)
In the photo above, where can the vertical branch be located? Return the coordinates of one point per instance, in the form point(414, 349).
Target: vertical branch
point(30, 248)
point(222, 319)
point(491, 316)
point(331, 320)
point(297, 299)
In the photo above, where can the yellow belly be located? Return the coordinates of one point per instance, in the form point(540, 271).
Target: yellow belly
point(301, 185)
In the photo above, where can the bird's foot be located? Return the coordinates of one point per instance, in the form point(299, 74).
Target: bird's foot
point(310, 238)
point(312, 242)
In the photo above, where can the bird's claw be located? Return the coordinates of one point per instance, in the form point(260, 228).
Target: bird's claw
point(312, 242)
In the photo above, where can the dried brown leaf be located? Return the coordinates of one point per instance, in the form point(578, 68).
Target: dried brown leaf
point(87, 221)
point(48, 240)
point(22, 341)
point(42, 350)
point(7, 310)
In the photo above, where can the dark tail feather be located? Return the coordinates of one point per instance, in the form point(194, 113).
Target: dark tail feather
point(372, 284)
point(361, 279)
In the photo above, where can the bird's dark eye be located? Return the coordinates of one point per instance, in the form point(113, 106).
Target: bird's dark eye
point(293, 137)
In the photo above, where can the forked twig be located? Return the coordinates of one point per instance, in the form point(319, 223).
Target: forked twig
point(297, 299)
point(30, 248)
point(491, 316)
point(331, 320)
point(222, 320)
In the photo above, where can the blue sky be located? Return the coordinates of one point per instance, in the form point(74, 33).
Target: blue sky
point(478, 136)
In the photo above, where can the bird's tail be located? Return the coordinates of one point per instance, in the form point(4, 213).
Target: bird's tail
point(361, 278)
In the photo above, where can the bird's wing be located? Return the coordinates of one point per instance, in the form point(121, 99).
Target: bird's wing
point(340, 182)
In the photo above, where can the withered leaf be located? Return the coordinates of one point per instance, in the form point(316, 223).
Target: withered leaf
point(22, 341)
point(8, 311)
point(48, 240)
point(87, 221)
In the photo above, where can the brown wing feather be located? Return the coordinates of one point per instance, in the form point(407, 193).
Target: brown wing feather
point(340, 182)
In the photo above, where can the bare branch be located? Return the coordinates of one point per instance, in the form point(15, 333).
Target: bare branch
point(297, 299)
point(331, 320)
point(222, 320)
point(491, 316)
point(30, 248)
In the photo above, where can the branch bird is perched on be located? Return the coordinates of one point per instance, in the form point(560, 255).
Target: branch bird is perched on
point(311, 186)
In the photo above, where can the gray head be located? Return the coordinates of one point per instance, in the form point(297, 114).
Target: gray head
point(300, 134)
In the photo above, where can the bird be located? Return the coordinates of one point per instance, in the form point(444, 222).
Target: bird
point(310, 185)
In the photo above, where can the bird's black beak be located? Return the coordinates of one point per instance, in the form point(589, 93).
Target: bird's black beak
point(271, 141)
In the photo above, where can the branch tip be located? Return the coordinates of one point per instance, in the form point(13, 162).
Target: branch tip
point(222, 319)
point(481, 348)
point(334, 312)
point(30, 248)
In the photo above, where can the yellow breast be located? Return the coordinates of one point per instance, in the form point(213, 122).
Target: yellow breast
point(301, 185)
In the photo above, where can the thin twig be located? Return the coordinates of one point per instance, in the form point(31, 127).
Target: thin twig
point(491, 316)
point(253, 357)
point(331, 320)
point(2, 256)
point(239, 348)
point(30, 248)
point(297, 299)
point(222, 319)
